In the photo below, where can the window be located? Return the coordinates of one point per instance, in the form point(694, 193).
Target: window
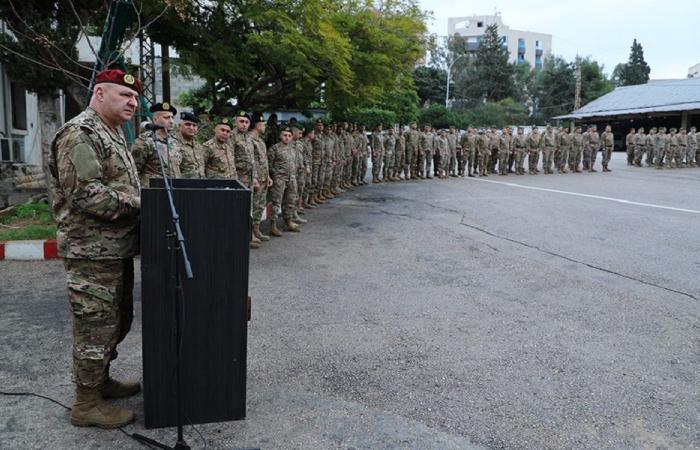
point(538, 45)
point(18, 97)
point(538, 62)
point(480, 24)
point(521, 58)
point(521, 44)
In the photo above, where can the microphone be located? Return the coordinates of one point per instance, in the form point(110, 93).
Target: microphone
point(149, 126)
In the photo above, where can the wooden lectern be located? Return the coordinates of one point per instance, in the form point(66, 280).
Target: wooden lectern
point(215, 220)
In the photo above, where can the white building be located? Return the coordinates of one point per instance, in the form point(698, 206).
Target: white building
point(694, 71)
point(522, 45)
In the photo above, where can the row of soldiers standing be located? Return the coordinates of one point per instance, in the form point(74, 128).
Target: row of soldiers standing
point(414, 154)
point(673, 150)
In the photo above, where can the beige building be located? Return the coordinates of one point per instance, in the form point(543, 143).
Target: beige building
point(694, 71)
point(522, 45)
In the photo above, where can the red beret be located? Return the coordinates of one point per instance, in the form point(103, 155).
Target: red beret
point(119, 77)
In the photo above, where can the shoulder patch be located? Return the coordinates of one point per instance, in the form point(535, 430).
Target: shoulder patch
point(84, 159)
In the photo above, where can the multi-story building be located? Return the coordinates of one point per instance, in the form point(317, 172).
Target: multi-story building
point(694, 71)
point(522, 45)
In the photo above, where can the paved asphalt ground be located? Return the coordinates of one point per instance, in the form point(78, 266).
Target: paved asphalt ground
point(507, 312)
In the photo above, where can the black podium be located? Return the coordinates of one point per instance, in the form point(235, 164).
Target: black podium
point(215, 220)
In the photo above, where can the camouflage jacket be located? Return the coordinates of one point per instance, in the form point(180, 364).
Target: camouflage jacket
point(630, 140)
point(95, 190)
point(390, 143)
point(550, 140)
point(592, 140)
point(219, 160)
point(283, 160)
point(317, 146)
point(607, 139)
point(577, 141)
point(261, 164)
point(565, 141)
point(452, 142)
point(147, 162)
point(298, 145)
point(520, 142)
point(534, 140)
point(442, 147)
point(427, 142)
point(244, 153)
point(468, 142)
point(412, 139)
point(192, 164)
point(349, 141)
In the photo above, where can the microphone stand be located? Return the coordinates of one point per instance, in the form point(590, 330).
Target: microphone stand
point(178, 250)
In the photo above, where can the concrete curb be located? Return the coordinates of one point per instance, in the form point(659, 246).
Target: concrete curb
point(28, 250)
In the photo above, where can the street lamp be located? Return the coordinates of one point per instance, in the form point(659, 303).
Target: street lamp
point(449, 72)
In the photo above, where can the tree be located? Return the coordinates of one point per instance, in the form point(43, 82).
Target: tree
point(636, 70)
point(430, 84)
point(556, 85)
point(524, 83)
point(489, 77)
point(438, 116)
point(593, 81)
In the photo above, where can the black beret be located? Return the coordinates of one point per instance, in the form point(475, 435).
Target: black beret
point(242, 113)
point(165, 106)
point(284, 128)
point(188, 116)
point(224, 121)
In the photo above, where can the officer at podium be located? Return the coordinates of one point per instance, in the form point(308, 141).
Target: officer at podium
point(95, 196)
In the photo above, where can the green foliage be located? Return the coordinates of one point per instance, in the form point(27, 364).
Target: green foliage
point(29, 221)
point(593, 81)
point(370, 117)
point(39, 51)
point(502, 113)
point(556, 86)
point(438, 115)
point(403, 103)
point(636, 70)
point(430, 84)
point(28, 232)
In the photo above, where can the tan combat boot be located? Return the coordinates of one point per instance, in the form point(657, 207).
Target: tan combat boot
point(318, 198)
point(119, 389)
point(254, 245)
point(310, 202)
point(291, 226)
point(258, 234)
point(274, 231)
point(90, 410)
point(298, 219)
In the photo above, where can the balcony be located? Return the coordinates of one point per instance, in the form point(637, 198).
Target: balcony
point(538, 52)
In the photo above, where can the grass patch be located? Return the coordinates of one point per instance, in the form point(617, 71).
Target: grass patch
point(30, 221)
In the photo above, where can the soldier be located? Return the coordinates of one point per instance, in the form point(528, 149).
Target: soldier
point(482, 147)
point(328, 161)
point(629, 146)
point(298, 145)
point(317, 146)
point(442, 151)
point(564, 147)
point(534, 141)
point(494, 140)
point(192, 152)
point(452, 138)
point(608, 143)
point(412, 137)
point(272, 131)
point(400, 164)
point(359, 141)
point(692, 147)
point(377, 153)
point(672, 150)
point(549, 145)
point(639, 146)
point(282, 159)
point(660, 147)
point(94, 189)
point(682, 148)
point(149, 145)
point(309, 137)
point(219, 157)
point(427, 143)
point(649, 145)
point(244, 157)
point(349, 142)
point(576, 151)
point(520, 144)
point(338, 159)
point(262, 168)
point(504, 146)
point(389, 155)
point(592, 145)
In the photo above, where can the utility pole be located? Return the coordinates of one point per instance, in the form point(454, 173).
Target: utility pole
point(449, 73)
point(577, 96)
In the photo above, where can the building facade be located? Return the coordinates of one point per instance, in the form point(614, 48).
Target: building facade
point(694, 71)
point(522, 45)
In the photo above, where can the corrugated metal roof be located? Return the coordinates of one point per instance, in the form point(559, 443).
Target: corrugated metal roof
point(655, 96)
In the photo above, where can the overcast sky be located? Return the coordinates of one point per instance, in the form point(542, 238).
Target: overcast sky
point(669, 31)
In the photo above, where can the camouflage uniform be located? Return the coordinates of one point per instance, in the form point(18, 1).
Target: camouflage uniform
point(520, 143)
point(660, 148)
point(389, 156)
point(640, 147)
point(377, 153)
point(400, 163)
point(504, 144)
point(534, 141)
point(302, 163)
point(261, 165)
point(693, 147)
point(147, 162)
point(452, 144)
point(549, 145)
point(672, 150)
point(338, 158)
point(590, 150)
point(95, 200)
point(245, 157)
point(482, 147)
point(412, 145)
point(219, 160)
point(564, 150)
point(192, 164)
point(629, 146)
point(576, 151)
point(349, 145)
point(608, 143)
point(468, 152)
point(494, 145)
point(282, 161)
point(317, 146)
point(426, 153)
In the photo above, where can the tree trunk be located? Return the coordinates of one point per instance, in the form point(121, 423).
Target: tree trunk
point(49, 117)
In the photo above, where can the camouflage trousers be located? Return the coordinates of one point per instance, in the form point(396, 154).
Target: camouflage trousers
point(316, 176)
point(690, 153)
point(259, 202)
point(301, 183)
point(428, 162)
point(680, 154)
point(467, 164)
point(411, 155)
point(327, 167)
point(365, 165)
point(454, 167)
point(533, 157)
point(484, 163)
point(547, 155)
point(389, 159)
point(347, 169)
point(592, 156)
point(503, 162)
point(561, 158)
point(630, 155)
point(100, 293)
point(607, 154)
point(400, 163)
point(357, 168)
point(284, 195)
point(337, 172)
point(671, 157)
point(639, 152)
point(520, 159)
point(377, 158)
point(574, 158)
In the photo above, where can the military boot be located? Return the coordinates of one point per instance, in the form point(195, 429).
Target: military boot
point(274, 231)
point(258, 234)
point(119, 389)
point(90, 410)
point(291, 226)
point(312, 202)
point(328, 194)
point(298, 219)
